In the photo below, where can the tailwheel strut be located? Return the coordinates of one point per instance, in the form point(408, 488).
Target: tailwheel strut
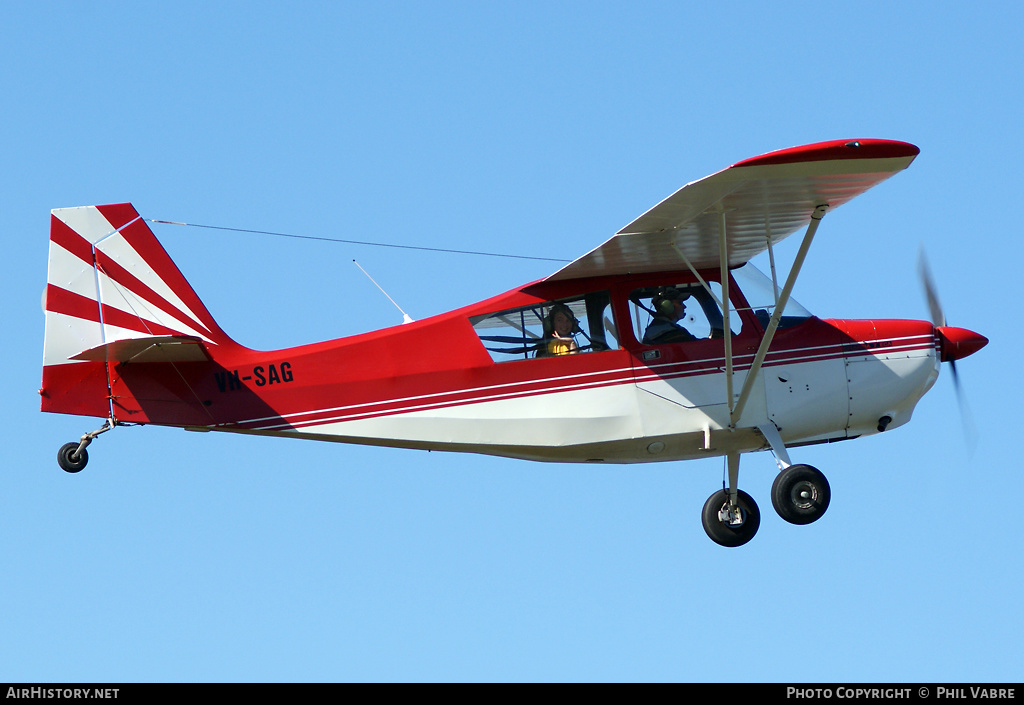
point(72, 457)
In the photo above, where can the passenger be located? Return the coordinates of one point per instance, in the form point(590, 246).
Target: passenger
point(668, 309)
point(559, 327)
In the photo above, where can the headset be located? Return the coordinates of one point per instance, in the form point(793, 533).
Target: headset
point(664, 301)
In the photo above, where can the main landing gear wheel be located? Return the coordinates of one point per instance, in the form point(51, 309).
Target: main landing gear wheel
point(800, 494)
point(727, 527)
point(70, 458)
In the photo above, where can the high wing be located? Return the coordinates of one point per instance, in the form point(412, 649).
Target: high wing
point(763, 198)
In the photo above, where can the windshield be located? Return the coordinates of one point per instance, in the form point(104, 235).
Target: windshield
point(761, 295)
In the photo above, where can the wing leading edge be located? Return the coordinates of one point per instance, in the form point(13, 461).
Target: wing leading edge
point(766, 197)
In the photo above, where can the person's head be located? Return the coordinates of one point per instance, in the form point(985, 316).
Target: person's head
point(562, 320)
point(670, 303)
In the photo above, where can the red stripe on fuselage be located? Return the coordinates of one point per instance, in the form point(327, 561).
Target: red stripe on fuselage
point(742, 363)
point(554, 385)
point(540, 387)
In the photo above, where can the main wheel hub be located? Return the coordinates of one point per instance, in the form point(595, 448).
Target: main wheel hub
point(804, 494)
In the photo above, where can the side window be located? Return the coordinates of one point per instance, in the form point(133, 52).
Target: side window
point(550, 329)
point(679, 313)
point(611, 333)
point(762, 296)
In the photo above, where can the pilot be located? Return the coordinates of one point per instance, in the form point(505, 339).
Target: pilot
point(668, 309)
point(559, 326)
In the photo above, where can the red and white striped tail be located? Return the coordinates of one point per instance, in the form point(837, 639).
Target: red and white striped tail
point(111, 287)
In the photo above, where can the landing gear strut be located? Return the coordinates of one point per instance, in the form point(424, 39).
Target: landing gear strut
point(72, 457)
point(800, 495)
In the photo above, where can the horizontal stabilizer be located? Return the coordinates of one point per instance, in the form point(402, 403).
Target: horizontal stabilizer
point(161, 348)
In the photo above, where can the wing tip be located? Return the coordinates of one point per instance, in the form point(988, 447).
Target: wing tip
point(836, 150)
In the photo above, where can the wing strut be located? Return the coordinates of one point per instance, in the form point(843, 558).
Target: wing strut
point(771, 262)
point(773, 323)
point(723, 258)
point(723, 248)
point(703, 283)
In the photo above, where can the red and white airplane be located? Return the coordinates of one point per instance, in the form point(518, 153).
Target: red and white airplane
point(596, 363)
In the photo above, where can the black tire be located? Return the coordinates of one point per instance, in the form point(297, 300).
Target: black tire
point(68, 461)
point(725, 534)
point(800, 494)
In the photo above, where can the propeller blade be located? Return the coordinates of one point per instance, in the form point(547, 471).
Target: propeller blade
point(938, 318)
point(966, 417)
point(930, 293)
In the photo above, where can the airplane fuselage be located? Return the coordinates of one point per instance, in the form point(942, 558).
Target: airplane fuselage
point(433, 385)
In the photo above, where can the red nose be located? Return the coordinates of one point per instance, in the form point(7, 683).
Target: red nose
point(955, 343)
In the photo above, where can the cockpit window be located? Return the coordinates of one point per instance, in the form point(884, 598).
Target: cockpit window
point(679, 313)
point(762, 296)
point(549, 329)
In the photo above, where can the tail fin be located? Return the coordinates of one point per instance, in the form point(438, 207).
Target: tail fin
point(113, 294)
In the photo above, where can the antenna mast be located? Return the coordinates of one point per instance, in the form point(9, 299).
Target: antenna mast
point(405, 316)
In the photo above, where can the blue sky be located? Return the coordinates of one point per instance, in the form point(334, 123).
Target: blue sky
point(537, 129)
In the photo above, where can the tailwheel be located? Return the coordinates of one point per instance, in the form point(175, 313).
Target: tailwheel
point(731, 526)
point(800, 494)
point(70, 458)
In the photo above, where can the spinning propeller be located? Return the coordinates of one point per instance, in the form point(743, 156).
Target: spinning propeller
point(954, 343)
